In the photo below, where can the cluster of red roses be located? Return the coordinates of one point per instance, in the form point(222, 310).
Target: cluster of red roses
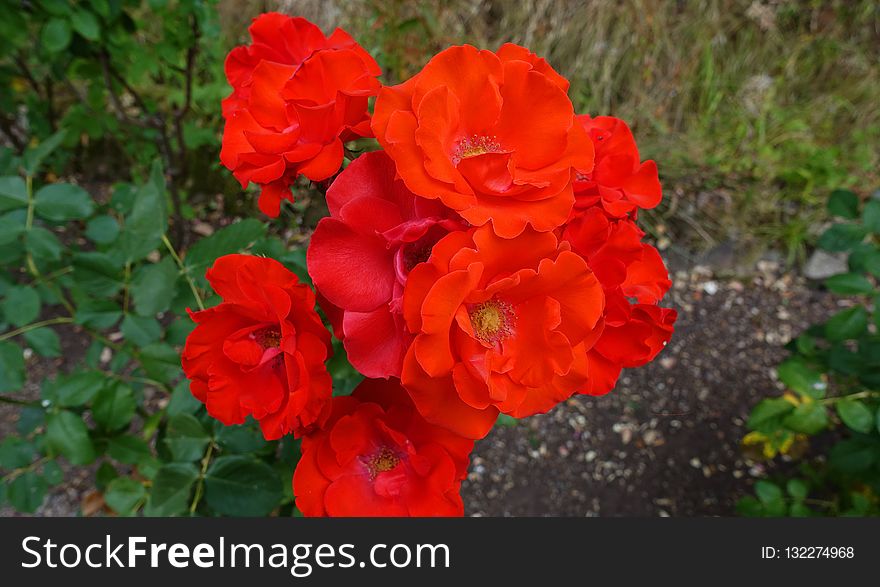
point(486, 261)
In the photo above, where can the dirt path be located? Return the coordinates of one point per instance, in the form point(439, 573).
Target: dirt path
point(665, 442)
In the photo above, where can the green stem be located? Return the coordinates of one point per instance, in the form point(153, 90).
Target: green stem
point(35, 325)
point(17, 402)
point(183, 269)
point(201, 482)
point(23, 470)
point(859, 395)
point(29, 182)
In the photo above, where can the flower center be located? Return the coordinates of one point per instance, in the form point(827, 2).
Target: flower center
point(268, 337)
point(382, 461)
point(475, 145)
point(492, 321)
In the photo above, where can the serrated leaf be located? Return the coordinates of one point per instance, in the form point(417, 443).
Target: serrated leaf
point(856, 415)
point(871, 216)
point(67, 434)
point(146, 224)
point(13, 193)
point(27, 492)
point(61, 202)
point(78, 388)
point(847, 324)
point(152, 287)
point(42, 244)
point(799, 377)
point(849, 284)
point(99, 314)
point(114, 406)
point(11, 366)
point(44, 341)
point(56, 35)
point(21, 305)
point(242, 486)
point(124, 495)
point(228, 240)
point(843, 203)
point(171, 490)
point(15, 453)
point(808, 418)
point(85, 23)
point(186, 438)
point(128, 449)
point(102, 230)
point(841, 237)
point(140, 330)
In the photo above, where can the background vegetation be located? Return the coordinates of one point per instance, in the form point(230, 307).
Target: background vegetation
point(112, 200)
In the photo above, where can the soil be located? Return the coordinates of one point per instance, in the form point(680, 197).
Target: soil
point(665, 442)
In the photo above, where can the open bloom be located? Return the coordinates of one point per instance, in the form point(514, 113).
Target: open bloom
point(297, 97)
point(360, 257)
point(620, 182)
point(501, 326)
point(261, 351)
point(376, 456)
point(491, 135)
point(634, 280)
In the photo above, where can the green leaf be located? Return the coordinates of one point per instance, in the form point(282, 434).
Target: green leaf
point(228, 240)
point(179, 330)
point(767, 411)
point(171, 490)
point(852, 456)
point(56, 35)
point(124, 495)
point(797, 489)
point(99, 314)
point(152, 287)
point(749, 507)
point(808, 418)
point(242, 439)
point(60, 202)
point(27, 492)
point(242, 486)
point(141, 330)
point(182, 400)
point(96, 273)
point(871, 216)
point(13, 193)
point(843, 203)
point(78, 388)
point(34, 156)
point(799, 510)
point(44, 341)
point(186, 438)
point(102, 230)
point(21, 305)
point(799, 377)
point(114, 406)
point(15, 453)
point(847, 324)
point(849, 284)
point(856, 415)
point(128, 449)
point(11, 366)
point(66, 433)
point(841, 237)
point(53, 473)
point(42, 244)
point(85, 23)
point(767, 492)
point(148, 220)
point(161, 362)
point(11, 227)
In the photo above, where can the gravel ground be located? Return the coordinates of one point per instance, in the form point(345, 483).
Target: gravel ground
point(665, 442)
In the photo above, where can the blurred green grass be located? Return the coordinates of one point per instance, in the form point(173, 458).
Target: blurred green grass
point(754, 110)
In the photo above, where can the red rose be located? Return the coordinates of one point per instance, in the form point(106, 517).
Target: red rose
point(491, 135)
point(261, 351)
point(360, 257)
point(501, 326)
point(376, 456)
point(619, 181)
point(628, 269)
point(297, 97)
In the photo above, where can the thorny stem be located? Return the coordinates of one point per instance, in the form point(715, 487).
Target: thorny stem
point(859, 395)
point(23, 470)
point(183, 269)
